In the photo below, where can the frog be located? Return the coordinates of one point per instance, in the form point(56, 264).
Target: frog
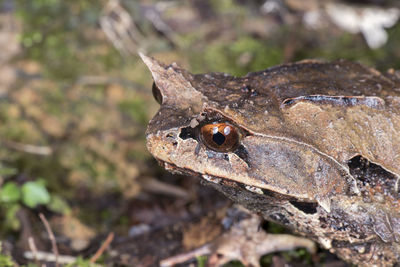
point(312, 145)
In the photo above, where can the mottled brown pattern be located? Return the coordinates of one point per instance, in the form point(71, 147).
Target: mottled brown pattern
point(319, 152)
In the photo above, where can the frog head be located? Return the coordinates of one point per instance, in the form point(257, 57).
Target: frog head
point(224, 129)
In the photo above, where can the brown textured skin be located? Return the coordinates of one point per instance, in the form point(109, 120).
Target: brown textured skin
point(320, 151)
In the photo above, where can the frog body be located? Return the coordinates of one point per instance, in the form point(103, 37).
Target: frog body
point(312, 145)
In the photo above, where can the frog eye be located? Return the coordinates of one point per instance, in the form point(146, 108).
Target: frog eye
point(156, 93)
point(221, 137)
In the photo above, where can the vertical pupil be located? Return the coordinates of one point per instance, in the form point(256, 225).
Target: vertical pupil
point(218, 138)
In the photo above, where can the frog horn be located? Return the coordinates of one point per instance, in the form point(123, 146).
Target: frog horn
point(174, 84)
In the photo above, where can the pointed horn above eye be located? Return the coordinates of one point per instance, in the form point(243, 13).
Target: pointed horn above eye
point(155, 66)
point(174, 84)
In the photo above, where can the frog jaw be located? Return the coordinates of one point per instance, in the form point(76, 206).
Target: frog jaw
point(185, 156)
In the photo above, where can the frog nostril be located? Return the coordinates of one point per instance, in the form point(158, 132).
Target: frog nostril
point(172, 138)
point(170, 135)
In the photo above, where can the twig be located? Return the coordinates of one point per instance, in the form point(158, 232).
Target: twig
point(120, 28)
point(51, 236)
point(151, 184)
point(49, 257)
point(32, 149)
point(181, 258)
point(33, 248)
point(102, 248)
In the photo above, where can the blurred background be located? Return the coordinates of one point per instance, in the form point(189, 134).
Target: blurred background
point(75, 99)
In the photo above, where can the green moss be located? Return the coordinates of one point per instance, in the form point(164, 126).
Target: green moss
point(354, 47)
point(136, 109)
point(238, 57)
point(6, 260)
point(59, 34)
point(227, 6)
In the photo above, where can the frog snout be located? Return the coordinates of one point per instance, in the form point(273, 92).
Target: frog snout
point(171, 138)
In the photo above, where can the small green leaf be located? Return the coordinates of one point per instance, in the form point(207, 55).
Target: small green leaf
point(11, 220)
point(10, 192)
point(6, 261)
point(201, 261)
point(35, 193)
point(58, 204)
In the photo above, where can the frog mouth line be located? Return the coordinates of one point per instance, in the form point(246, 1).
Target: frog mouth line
point(208, 177)
point(306, 207)
point(232, 183)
